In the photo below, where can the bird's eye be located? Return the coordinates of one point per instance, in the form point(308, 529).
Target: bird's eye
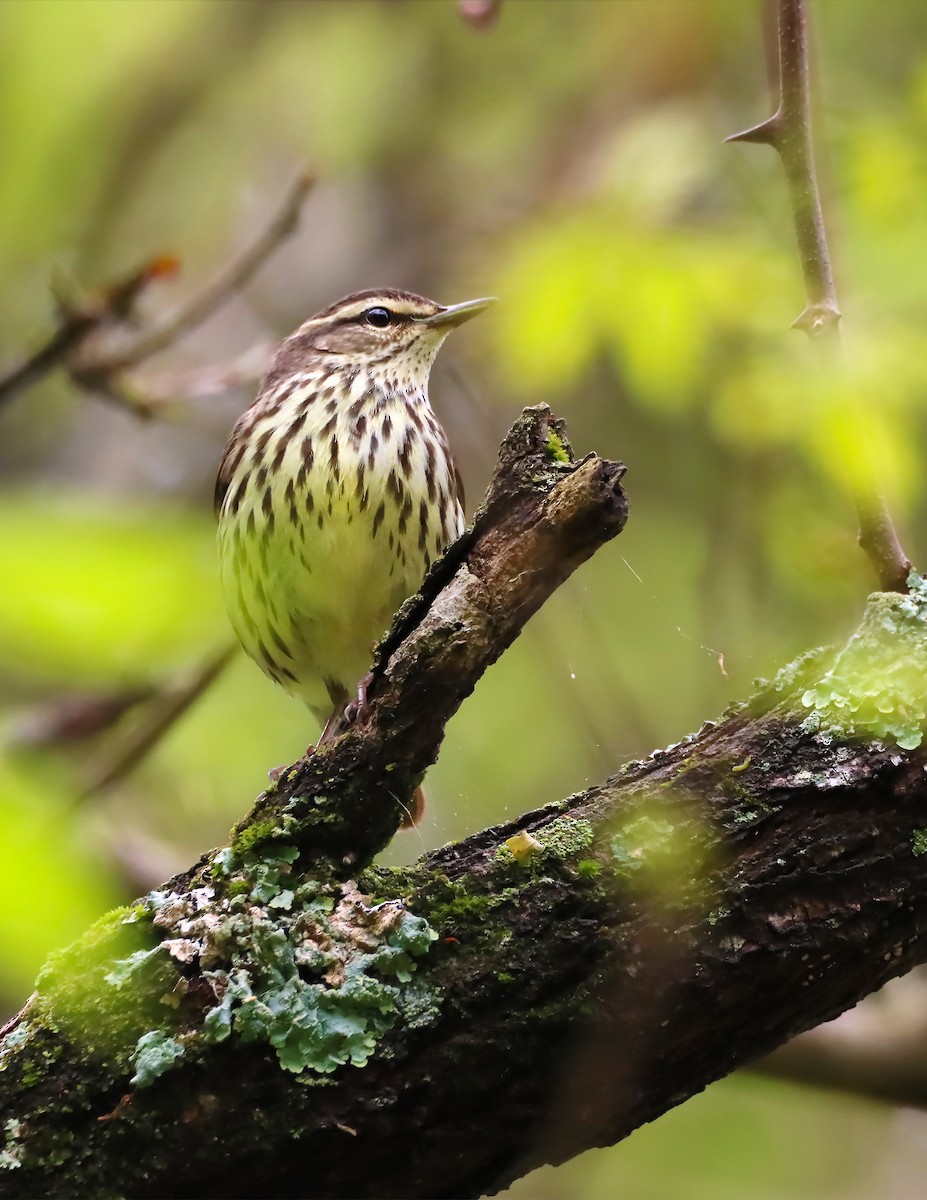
point(380, 317)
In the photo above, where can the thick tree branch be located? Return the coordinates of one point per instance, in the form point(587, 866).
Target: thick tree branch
point(789, 131)
point(283, 1020)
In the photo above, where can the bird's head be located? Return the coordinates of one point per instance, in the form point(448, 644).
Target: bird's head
point(391, 333)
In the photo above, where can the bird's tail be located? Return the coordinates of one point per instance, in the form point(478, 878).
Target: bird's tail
point(416, 810)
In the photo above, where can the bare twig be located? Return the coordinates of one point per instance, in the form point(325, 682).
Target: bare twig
point(230, 279)
point(789, 132)
point(79, 347)
point(875, 1050)
point(78, 321)
point(67, 720)
point(162, 713)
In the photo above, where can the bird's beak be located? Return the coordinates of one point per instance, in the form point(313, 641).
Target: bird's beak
point(456, 314)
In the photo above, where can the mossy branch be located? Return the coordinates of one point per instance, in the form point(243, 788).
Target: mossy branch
point(281, 1020)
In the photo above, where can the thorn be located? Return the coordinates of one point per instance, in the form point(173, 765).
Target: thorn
point(817, 318)
point(766, 133)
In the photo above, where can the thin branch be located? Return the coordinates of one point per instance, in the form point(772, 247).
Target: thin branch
point(79, 347)
point(876, 1050)
point(230, 279)
point(789, 132)
point(79, 320)
point(161, 714)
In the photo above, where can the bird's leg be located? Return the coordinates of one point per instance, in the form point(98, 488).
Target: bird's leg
point(333, 726)
point(357, 709)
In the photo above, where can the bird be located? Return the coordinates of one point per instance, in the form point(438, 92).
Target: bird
point(336, 492)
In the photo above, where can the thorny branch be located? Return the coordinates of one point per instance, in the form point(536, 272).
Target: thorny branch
point(789, 132)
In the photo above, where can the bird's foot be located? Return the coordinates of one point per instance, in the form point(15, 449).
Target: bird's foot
point(357, 709)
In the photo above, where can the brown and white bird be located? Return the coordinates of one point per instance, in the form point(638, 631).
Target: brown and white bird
point(336, 492)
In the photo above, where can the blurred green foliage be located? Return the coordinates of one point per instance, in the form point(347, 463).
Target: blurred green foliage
point(570, 162)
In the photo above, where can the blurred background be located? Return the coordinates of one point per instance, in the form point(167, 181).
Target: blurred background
point(569, 160)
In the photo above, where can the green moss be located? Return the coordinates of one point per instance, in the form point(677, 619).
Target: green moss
point(588, 868)
point(463, 909)
point(258, 834)
point(557, 448)
point(919, 842)
point(877, 685)
point(639, 841)
point(565, 837)
point(75, 993)
point(11, 1156)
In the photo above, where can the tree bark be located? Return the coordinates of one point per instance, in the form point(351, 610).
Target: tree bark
point(286, 1020)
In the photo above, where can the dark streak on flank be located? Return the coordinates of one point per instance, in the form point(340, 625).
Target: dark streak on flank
point(238, 495)
point(431, 469)
point(290, 496)
point(296, 424)
point(279, 642)
point(404, 513)
point(405, 452)
point(378, 517)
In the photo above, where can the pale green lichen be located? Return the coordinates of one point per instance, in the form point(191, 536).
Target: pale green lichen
point(316, 971)
point(13, 1147)
point(155, 1053)
point(877, 686)
point(640, 842)
point(919, 842)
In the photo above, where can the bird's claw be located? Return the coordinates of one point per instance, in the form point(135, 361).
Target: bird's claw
point(356, 711)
